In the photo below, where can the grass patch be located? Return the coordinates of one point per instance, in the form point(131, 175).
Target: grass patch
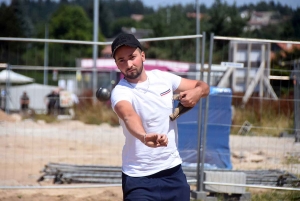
point(275, 195)
point(263, 195)
point(292, 160)
point(87, 111)
point(268, 123)
point(96, 114)
point(268, 117)
point(46, 118)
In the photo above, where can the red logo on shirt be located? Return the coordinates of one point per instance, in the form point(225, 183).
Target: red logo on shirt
point(165, 92)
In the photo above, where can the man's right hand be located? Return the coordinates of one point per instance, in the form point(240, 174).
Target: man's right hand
point(156, 140)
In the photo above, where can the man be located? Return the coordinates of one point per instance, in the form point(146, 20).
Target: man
point(151, 164)
point(52, 102)
point(24, 102)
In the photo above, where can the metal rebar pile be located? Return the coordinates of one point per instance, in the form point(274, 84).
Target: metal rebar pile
point(69, 173)
point(62, 173)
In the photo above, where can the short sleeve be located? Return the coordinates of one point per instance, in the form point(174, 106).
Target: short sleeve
point(118, 94)
point(171, 77)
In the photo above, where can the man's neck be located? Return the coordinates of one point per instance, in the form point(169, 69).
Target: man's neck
point(142, 78)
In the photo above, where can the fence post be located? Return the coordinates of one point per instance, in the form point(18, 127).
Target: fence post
point(199, 193)
point(7, 88)
point(200, 115)
point(296, 82)
point(95, 49)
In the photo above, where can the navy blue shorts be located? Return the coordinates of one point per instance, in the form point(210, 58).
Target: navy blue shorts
point(167, 185)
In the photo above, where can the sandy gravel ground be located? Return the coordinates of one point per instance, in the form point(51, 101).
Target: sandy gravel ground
point(27, 146)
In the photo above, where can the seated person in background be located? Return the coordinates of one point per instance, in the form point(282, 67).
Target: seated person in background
point(24, 101)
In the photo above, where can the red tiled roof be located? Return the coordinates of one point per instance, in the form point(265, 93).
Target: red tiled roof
point(288, 46)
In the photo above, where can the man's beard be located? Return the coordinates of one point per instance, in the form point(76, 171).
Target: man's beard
point(135, 74)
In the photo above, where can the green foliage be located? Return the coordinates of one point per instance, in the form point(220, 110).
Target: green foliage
point(9, 23)
point(276, 195)
point(71, 23)
point(295, 21)
point(163, 23)
point(22, 13)
point(10, 26)
point(116, 26)
point(68, 22)
point(268, 6)
point(225, 20)
point(282, 66)
point(112, 10)
point(72, 20)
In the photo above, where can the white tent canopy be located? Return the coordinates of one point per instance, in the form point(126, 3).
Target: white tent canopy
point(13, 77)
point(36, 93)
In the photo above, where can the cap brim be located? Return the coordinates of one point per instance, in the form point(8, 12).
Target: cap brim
point(129, 44)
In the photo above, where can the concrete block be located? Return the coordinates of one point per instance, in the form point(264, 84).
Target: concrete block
point(211, 199)
point(246, 197)
point(198, 195)
point(225, 177)
point(202, 196)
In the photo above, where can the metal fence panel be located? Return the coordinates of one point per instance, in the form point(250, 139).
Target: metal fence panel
point(262, 140)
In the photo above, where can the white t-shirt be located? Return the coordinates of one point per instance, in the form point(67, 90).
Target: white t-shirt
point(152, 101)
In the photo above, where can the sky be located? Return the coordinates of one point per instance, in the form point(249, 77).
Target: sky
point(156, 3)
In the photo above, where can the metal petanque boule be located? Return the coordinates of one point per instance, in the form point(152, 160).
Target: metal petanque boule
point(103, 94)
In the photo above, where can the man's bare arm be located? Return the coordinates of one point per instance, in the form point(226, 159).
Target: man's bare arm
point(131, 119)
point(134, 125)
point(191, 91)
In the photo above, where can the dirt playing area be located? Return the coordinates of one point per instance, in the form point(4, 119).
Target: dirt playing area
point(27, 146)
point(88, 194)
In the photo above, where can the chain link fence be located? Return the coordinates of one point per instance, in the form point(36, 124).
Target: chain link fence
point(263, 132)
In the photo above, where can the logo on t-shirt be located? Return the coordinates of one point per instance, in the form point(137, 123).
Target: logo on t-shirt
point(165, 92)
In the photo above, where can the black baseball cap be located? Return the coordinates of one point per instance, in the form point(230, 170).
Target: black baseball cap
point(124, 39)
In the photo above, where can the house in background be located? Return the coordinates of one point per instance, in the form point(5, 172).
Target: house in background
point(194, 15)
point(258, 20)
point(282, 49)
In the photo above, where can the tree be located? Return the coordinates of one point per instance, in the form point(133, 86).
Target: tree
point(171, 21)
point(71, 23)
point(117, 25)
point(21, 10)
point(10, 27)
point(295, 21)
point(112, 10)
point(9, 23)
point(225, 20)
point(68, 22)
